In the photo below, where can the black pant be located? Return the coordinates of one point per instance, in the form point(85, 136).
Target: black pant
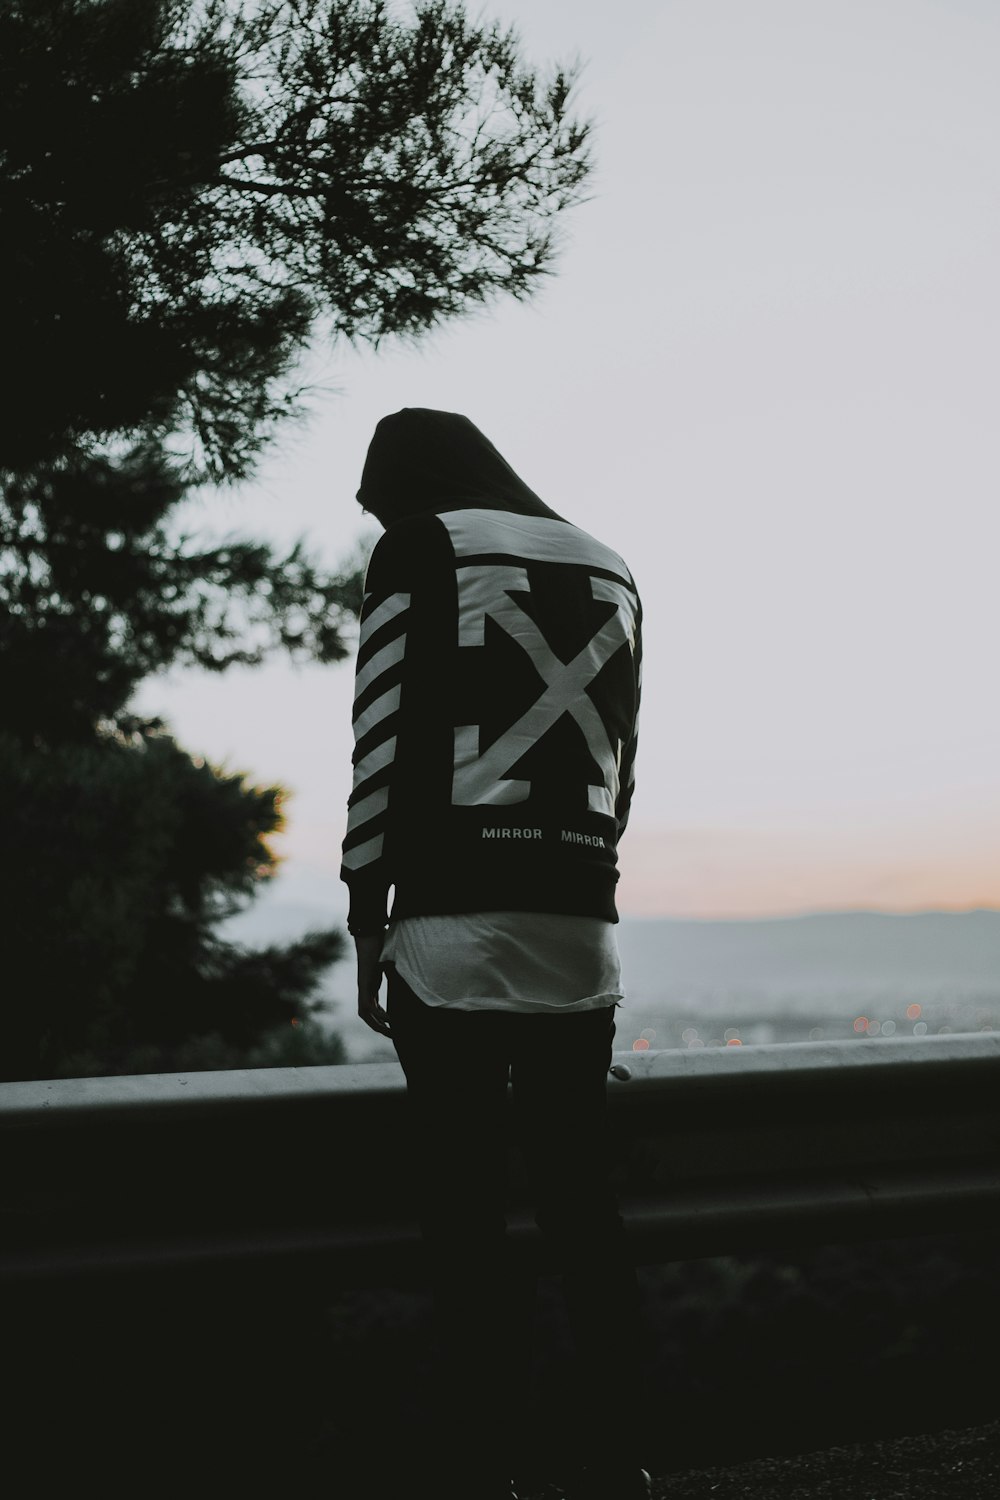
point(457, 1065)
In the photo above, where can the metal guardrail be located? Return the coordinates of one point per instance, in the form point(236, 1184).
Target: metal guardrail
point(716, 1151)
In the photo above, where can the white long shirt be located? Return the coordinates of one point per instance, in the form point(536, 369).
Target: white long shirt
point(508, 960)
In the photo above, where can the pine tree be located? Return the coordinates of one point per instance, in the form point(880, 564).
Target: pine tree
point(191, 193)
point(189, 189)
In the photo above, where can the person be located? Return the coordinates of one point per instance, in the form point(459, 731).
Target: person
point(495, 722)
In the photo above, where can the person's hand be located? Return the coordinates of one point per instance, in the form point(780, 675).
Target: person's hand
point(369, 983)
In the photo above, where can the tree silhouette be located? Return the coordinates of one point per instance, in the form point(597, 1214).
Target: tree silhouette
point(189, 190)
point(100, 590)
point(192, 192)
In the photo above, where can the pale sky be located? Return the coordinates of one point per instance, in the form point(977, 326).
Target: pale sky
point(766, 372)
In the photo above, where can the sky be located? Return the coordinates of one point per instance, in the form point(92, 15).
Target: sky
point(766, 372)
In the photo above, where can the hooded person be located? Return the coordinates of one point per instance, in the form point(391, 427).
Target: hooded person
point(495, 722)
point(424, 460)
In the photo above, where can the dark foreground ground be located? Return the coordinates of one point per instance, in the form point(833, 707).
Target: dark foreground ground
point(948, 1465)
point(858, 1372)
point(861, 1372)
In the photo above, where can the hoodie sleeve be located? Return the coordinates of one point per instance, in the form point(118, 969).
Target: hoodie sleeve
point(627, 782)
point(378, 688)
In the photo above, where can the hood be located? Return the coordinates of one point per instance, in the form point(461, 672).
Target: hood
point(425, 460)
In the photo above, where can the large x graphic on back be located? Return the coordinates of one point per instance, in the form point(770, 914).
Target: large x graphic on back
point(481, 778)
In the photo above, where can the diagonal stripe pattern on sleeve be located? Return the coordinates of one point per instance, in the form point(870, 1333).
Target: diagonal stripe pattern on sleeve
point(377, 692)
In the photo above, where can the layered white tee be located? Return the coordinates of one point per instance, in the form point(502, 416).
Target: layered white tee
point(508, 960)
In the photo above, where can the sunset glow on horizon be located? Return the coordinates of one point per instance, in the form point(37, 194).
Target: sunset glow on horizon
point(741, 874)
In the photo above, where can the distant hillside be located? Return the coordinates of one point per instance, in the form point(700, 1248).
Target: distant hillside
point(814, 952)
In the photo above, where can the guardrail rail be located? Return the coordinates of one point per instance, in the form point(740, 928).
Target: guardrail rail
point(716, 1151)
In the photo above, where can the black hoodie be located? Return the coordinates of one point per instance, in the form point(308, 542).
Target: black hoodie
point(496, 694)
